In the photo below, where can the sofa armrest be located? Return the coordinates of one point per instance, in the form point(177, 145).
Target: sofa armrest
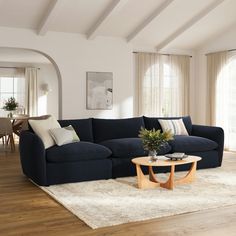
point(32, 156)
point(211, 132)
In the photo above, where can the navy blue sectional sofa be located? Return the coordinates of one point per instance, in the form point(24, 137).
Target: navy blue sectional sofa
point(107, 147)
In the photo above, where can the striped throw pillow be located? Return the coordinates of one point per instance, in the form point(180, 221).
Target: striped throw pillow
point(176, 126)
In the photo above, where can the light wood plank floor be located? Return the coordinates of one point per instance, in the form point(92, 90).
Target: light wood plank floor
point(27, 210)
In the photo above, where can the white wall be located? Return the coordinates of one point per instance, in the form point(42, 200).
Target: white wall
point(226, 41)
point(47, 75)
point(75, 55)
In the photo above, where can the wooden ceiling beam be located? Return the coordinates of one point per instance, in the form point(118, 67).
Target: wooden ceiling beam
point(189, 24)
point(148, 20)
point(115, 6)
point(52, 10)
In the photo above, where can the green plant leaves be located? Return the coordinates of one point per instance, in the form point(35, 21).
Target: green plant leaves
point(154, 139)
point(10, 104)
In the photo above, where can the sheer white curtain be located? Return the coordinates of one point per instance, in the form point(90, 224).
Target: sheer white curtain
point(148, 73)
point(222, 85)
point(216, 62)
point(163, 84)
point(179, 69)
point(31, 76)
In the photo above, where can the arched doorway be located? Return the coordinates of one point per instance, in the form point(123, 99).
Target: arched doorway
point(49, 89)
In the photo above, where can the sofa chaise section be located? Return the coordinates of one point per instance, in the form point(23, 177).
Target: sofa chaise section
point(74, 162)
point(204, 141)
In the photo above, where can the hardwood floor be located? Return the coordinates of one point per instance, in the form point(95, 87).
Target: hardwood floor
point(27, 210)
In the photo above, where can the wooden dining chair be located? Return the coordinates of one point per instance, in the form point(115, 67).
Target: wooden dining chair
point(6, 132)
point(19, 123)
point(3, 139)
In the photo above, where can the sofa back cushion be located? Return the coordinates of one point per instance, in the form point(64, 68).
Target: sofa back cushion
point(82, 127)
point(105, 129)
point(152, 122)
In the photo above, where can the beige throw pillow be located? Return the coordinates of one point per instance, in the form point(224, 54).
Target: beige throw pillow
point(64, 135)
point(42, 127)
point(25, 125)
point(176, 126)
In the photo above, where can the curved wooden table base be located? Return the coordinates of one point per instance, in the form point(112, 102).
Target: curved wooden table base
point(152, 182)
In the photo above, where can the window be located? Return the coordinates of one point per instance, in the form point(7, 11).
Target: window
point(169, 91)
point(12, 84)
point(163, 84)
point(12, 87)
point(161, 89)
point(226, 102)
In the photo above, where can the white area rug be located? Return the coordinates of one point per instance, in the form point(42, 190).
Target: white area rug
point(112, 202)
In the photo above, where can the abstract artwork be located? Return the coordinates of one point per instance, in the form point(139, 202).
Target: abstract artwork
point(99, 90)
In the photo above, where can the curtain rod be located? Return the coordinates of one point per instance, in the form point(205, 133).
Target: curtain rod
point(165, 54)
point(229, 50)
point(14, 67)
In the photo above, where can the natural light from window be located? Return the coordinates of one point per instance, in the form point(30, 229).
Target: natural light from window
point(42, 105)
point(164, 89)
point(12, 87)
point(226, 103)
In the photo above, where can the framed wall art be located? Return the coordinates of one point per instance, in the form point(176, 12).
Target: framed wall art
point(99, 90)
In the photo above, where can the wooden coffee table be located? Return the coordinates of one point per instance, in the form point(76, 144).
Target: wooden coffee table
point(152, 182)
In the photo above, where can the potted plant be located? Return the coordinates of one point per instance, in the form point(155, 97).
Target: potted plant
point(153, 140)
point(10, 105)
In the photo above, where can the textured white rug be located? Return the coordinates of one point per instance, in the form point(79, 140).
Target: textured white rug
point(112, 202)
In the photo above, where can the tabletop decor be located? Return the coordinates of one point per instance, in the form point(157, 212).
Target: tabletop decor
point(176, 156)
point(10, 105)
point(153, 140)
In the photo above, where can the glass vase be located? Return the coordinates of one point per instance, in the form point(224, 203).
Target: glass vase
point(152, 155)
point(10, 114)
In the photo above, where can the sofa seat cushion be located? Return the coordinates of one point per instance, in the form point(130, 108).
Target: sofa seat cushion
point(129, 147)
point(187, 144)
point(79, 151)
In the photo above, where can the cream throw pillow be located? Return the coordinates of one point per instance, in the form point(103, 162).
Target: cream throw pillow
point(42, 127)
point(176, 126)
point(64, 135)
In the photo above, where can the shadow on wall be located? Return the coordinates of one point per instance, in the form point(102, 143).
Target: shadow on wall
point(122, 109)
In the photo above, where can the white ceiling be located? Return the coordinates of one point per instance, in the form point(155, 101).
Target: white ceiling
point(160, 24)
